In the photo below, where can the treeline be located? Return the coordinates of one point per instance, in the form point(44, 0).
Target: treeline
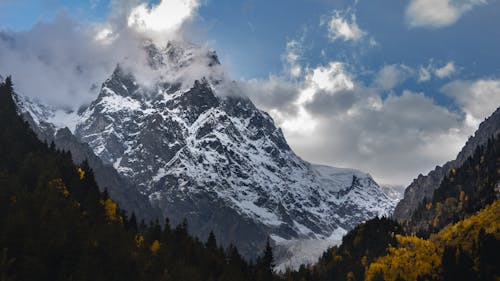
point(55, 224)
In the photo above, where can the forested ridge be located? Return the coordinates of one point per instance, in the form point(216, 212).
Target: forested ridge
point(55, 224)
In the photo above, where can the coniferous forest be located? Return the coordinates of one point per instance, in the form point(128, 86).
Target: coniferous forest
point(55, 224)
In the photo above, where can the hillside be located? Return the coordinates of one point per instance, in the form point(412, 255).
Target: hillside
point(423, 186)
point(464, 191)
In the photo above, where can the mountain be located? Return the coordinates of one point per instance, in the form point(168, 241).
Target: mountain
point(55, 224)
point(424, 186)
point(200, 150)
point(395, 192)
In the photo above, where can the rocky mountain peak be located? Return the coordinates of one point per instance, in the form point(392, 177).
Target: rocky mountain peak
point(217, 160)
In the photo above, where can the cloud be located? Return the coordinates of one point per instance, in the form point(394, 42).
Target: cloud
point(426, 73)
point(166, 17)
point(343, 25)
point(446, 70)
point(59, 61)
point(438, 13)
point(359, 126)
point(390, 138)
point(274, 93)
point(392, 75)
point(325, 103)
point(63, 62)
point(291, 58)
point(478, 99)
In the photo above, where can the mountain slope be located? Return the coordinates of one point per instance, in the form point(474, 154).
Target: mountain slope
point(55, 224)
point(201, 153)
point(463, 192)
point(424, 186)
point(106, 176)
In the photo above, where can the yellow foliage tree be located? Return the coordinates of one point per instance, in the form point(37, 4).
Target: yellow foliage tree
point(465, 231)
point(412, 258)
point(81, 173)
point(155, 246)
point(350, 276)
point(111, 209)
point(462, 196)
point(61, 186)
point(139, 240)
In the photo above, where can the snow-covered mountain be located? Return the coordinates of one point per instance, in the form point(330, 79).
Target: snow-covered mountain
point(204, 153)
point(395, 192)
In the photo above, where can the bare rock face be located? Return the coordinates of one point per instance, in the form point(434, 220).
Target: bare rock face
point(424, 186)
point(215, 159)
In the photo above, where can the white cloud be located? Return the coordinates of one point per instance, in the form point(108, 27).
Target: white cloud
point(332, 78)
point(166, 17)
point(292, 56)
point(438, 13)
point(424, 74)
point(275, 94)
point(394, 138)
point(392, 75)
point(446, 70)
point(343, 26)
point(478, 99)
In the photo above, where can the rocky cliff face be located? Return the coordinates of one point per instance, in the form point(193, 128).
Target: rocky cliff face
point(424, 186)
point(213, 158)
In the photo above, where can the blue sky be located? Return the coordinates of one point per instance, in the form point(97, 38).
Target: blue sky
point(416, 76)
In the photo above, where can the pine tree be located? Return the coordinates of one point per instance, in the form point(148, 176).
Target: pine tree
point(268, 257)
point(211, 241)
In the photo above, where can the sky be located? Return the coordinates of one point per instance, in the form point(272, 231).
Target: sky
point(392, 88)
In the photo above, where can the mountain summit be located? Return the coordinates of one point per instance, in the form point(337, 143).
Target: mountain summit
point(200, 150)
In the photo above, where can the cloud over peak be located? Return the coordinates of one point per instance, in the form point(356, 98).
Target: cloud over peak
point(62, 62)
point(166, 17)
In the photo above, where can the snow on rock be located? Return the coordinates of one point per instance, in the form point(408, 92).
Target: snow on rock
point(296, 252)
point(219, 161)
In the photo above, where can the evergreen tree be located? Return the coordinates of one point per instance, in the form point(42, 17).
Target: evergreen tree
point(268, 256)
point(211, 241)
